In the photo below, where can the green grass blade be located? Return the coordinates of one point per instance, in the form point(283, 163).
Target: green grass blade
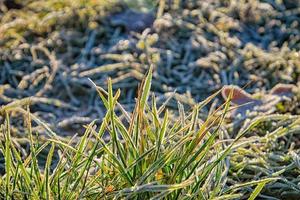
point(258, 189)
point(8, 159)
point(146, 90)
point(46, 181)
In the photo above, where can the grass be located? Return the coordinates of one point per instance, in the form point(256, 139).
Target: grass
point(162, 144)
point(148, 156)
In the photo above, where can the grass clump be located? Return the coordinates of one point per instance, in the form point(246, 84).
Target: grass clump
point(148, 156)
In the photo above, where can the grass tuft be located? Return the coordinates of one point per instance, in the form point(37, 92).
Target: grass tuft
point(148, 155)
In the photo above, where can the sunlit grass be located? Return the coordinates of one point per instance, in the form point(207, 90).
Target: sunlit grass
point(148, 156)
point(154, 151)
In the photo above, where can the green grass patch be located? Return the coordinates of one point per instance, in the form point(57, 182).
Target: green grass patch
point(148, 156)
